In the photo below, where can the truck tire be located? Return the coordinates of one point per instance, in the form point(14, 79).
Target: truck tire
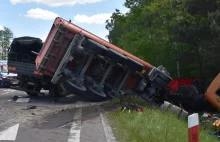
point(95, 47)
point(88, 81)
point(117, 57)
point(112, 94)
point(32, 88)
point(79, 90)
point(95, 96)
point(57, 91)
point(107, 89)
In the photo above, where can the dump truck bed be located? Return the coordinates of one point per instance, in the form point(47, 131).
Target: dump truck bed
point(58, 40)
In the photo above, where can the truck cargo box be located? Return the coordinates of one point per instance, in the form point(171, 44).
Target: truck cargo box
point(85, 64)
point(57, 43)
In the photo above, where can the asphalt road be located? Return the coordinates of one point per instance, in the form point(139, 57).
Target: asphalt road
point(53, 120)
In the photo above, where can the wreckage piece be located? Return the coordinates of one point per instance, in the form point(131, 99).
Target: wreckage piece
point(159, 77)
point(58, 51)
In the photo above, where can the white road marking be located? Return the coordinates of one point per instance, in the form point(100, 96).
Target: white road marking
point(10, 133)
point(65, 125)
point(74, 135)
point(107, 129)
point(7, 91)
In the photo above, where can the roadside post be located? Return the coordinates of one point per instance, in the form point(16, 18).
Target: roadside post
point(193, 128)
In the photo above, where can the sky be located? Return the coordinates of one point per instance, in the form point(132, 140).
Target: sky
point(35, 17)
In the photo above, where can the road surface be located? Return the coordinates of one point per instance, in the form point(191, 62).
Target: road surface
point(53, 120)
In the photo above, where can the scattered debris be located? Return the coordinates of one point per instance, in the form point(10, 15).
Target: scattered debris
point(23, 100)
point(15, 98)
point(29, 107)
point(206, 121)
point(207, 115)
point(216, 124)
point(131, 107)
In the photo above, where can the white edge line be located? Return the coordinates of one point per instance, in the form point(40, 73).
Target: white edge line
point(75, 129)
point(65, 125)
point(107, 129)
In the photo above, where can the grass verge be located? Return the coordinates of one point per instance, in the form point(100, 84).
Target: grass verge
point(152, 125)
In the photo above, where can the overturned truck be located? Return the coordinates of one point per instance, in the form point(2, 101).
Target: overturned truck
point(75, 61)
point(86, 65)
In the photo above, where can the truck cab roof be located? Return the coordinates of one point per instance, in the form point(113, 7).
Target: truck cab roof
point(21, 44)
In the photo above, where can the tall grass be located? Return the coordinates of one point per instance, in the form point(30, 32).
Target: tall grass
point(152, 125)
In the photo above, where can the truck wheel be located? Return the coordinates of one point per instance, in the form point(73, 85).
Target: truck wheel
point(57, 91)
point(88, 81)
point(107, 89)
point(95, 96)
point(95, 47)
point(112, 94)
point(79, 90)
point(117, 57)
point(60, 91)
point(32, 88)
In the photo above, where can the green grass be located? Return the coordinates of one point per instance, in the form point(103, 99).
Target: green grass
point(152, 125)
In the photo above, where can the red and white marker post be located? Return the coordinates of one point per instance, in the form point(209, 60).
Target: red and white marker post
point(193, 128)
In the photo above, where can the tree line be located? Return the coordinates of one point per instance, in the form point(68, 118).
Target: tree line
point(183, 35)
point(6, 35)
